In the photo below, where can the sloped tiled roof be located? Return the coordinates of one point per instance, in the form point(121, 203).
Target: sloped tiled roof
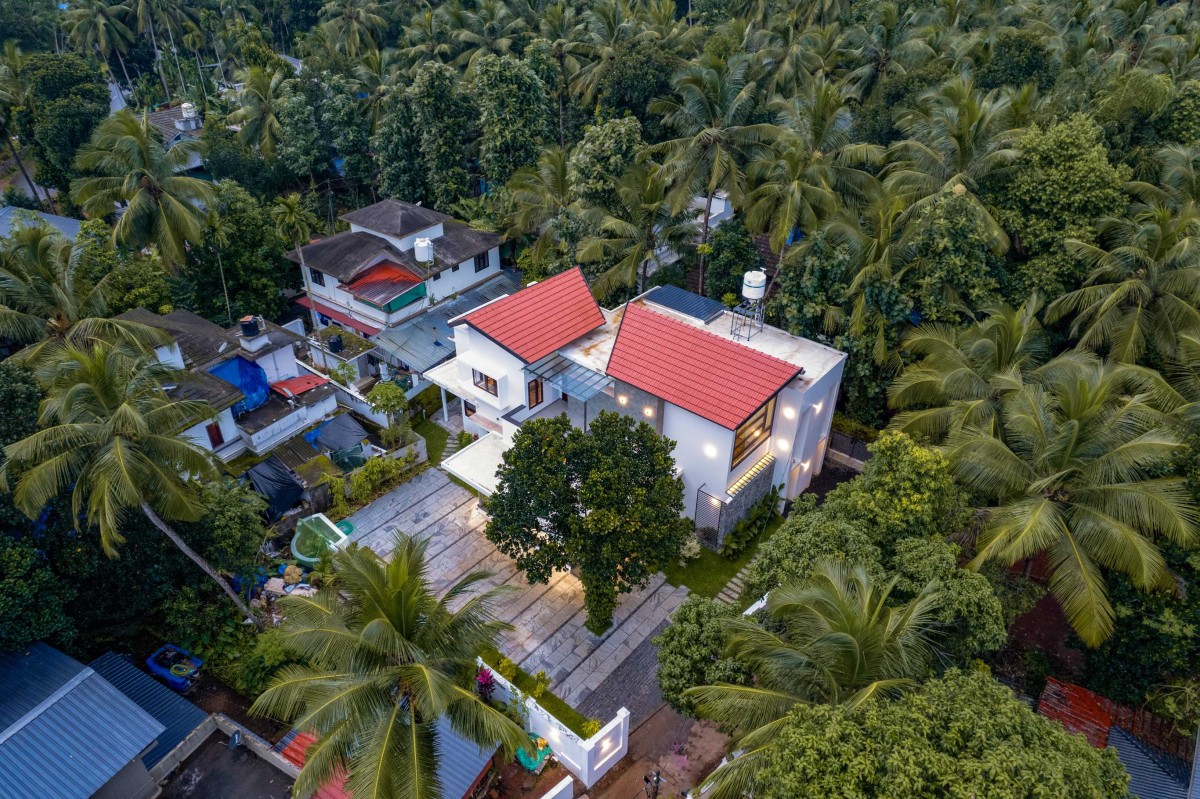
point(540, 318)
point(1078, 710)
point(395, 218)
point(712, 377)
point(344, 255)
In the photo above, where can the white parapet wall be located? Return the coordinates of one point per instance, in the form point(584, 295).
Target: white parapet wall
point(588, 760)
point(564, 790)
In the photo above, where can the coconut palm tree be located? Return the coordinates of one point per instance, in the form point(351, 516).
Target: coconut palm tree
point(294, 222)
point(13, 95)
point(113, 438)
point(1144, 284)
point(46, 302)
point(490, 29)
point(834, 639)
point(541, 194)
point(100, 25)
point(354, 25)
point(963, 374)
point(150, 16)
point(258, 106)
point(382, 660)
point(609, 25)
point(638, 231)
point(163, 207)
point(1083, 472)
point(376, 76)
point(716, 138)
point(426, 38)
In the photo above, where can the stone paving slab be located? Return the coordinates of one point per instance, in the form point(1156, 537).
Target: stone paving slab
point(633, 684)
point(548, 620)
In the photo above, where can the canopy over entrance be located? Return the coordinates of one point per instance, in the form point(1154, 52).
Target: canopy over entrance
point(569, 377)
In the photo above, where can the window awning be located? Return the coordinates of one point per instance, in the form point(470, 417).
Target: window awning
point(338, 316)
point(569, 377)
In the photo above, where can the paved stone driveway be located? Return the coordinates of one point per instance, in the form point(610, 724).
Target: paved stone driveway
point(548, 619)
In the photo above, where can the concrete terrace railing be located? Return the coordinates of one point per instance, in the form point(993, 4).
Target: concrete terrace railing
point(588, 760)
point(564, 790)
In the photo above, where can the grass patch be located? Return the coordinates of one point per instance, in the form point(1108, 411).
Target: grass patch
point(436, 437)
point(573, 719)
point(708, 574)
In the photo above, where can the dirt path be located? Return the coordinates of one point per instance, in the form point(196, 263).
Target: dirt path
point(683, 750)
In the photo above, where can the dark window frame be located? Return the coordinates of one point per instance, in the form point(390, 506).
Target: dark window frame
point(316, 277)
point(751, 433)
point(437, 276)
point(529, 391)
point(482, 261)
point(469, 409)
point(485, 382)
point(455, 267)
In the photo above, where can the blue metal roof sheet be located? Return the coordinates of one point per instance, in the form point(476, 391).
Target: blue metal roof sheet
point(177, 715)
point(459, 761)
point(686, 302)
point(72, 730)
point(1151, 775)
point(424, 342)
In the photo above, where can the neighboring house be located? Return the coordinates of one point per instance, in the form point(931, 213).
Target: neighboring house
point(247, 375)
point(179, 124)
point(462, 766)
point(396, 261)
point(1155, 755)
point(745, 413)
point(67, 733)
point(11, 218)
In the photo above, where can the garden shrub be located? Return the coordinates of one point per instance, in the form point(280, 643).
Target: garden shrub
point(691, 651)
point(754, 524)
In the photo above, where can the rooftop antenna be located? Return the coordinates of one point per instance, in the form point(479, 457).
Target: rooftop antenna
point(748, 315)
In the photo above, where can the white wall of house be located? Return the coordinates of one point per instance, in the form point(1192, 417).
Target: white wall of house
point(799, 443)
point(279, 365)
point(456, 279)
point(702, 449)
point(477, 351)
point(198, 433)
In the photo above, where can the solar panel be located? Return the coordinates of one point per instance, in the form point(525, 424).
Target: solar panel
point(686, 302)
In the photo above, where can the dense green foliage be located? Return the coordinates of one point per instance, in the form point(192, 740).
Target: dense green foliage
point(590, 499)
point(964, 734)
point(692, 651)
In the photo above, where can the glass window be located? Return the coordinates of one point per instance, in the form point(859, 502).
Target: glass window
point(468, 409)
point(455, 268)
point(488, 384)
point(438, 276)
point(753, 432)
point(317, 277)
point(482, 262)
point(535, 392)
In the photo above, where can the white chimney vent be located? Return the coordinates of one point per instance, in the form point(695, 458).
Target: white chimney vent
point(423, 250)
point(754, 285)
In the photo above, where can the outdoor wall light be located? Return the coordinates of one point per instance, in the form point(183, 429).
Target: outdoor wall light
point(606, 744)
point(789, 413)
point(783, 444)
point(710, 450)
point(716, 503)
point(806, 464)
point(817, 408)
point(622, 399)
point(647, 411)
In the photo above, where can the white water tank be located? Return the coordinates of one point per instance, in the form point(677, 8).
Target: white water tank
point(423, 249)
point(754, 285)
point(189, 111)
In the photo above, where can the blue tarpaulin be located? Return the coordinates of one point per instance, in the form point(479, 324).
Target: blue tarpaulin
point(248, 377)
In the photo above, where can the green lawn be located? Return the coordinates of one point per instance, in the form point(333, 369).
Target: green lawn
point(573, 719)
point(709, 573)
point(435, 437)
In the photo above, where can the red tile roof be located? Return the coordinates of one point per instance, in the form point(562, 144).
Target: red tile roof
point(338, 316)
point(1077, 709)
point(295, 386)
point(294, 753)
point(382, 282)
point(713, 377)
point(539, 319)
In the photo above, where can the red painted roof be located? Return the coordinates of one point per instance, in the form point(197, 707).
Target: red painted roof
point(338, 316)
point(295, 386)
point(382, 282)
point(712, 377)
point(539, 319)
point(294, 753)
point(1077, 709)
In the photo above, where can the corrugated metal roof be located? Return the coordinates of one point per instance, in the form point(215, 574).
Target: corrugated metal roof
point(1078, 709)
point(176, 714)
point(424, 342)
point(686, 302)
point(712, 377)
point(540, 318)
point(382, 282)
point(67, 731)
point(1151, 775)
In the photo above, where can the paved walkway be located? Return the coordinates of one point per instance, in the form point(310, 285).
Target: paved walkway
point(548, 619)
point(732, 592)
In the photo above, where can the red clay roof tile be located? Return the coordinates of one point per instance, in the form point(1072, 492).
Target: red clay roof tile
point(713, 377)
point(539, 319)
